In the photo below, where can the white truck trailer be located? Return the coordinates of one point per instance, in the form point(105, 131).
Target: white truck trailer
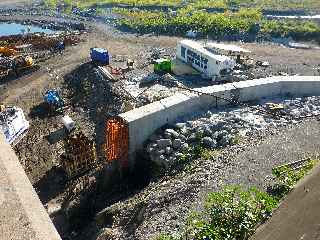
point(205, 61)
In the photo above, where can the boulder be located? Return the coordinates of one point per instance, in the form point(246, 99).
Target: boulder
point(151, 147)
point(184, 146)
point(207, 131)
point(209, 142)
point(163, 143)
point(168, 150)
point(170, 133)
point(176, 143)
point(159, 159)
point(225, 140)
point(192, 137)
point(180, 125)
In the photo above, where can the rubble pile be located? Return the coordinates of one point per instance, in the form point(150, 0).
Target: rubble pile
point(214, 130)
point(40, 41)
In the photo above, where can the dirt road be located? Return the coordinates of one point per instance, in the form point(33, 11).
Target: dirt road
point(14, 3)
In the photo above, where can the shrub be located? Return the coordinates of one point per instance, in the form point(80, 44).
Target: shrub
point(207, 154)
point(231, 214)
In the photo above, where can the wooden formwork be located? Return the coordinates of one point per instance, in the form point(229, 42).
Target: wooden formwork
point(117, 141)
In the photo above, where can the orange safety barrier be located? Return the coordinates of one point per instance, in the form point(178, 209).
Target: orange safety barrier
point(117, 140)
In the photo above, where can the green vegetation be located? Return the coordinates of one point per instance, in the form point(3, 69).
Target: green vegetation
point(165, 237)
point(288, 177)
point(231, 214)
point(235, 212)
point(192, 15)
point(237, 139)
point(224, 4)
point(216, 25)
point(208, 154)
point(188, 19)
point(50, 3)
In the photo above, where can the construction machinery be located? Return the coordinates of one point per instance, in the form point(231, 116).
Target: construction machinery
point(22, 62)
point(13, 124)
point(53, 100)
point(162, 65)
point(7, 51)
point(15, 64)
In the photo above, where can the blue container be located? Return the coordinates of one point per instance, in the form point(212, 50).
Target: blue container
point(99, 55)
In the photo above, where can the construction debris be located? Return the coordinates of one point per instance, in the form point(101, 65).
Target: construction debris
point(104, 71)
point(262, 64)
point(68, 123)
point(7, 52)
point(13, 123)
point(203, 59)
point(80, 154)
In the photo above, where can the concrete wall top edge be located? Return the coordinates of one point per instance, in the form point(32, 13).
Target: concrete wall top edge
point(181, 97)
point(155, 107)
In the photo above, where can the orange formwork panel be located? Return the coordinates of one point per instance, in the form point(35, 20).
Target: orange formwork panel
point(117, 141)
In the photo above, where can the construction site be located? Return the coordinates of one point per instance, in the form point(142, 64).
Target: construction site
point(110, 127)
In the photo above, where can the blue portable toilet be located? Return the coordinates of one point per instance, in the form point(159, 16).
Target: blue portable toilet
point(100, 55)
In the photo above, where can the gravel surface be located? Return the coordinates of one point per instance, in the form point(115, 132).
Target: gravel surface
point(164, 205)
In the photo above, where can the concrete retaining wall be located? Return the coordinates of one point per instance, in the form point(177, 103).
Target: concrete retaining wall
point(147, 119)
point(22, 215)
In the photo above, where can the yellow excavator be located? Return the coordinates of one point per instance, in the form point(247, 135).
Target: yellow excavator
point(15, 64)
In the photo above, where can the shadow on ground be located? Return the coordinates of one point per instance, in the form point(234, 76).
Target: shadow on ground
point(51, 184)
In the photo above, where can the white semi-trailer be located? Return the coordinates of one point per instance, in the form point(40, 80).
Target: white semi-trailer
point(205, 61)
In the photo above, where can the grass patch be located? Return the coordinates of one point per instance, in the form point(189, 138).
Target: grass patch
point(237, 139)
point(235, 212)
point(288, 177)
point(232, 213)
point(165, 237)
point(208, 154)
point(192, 15)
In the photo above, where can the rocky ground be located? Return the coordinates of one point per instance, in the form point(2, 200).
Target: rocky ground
point(164, 205)
point(165, 202)
point(217, 129)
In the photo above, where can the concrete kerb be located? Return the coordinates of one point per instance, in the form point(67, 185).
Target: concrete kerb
point(144, 121)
